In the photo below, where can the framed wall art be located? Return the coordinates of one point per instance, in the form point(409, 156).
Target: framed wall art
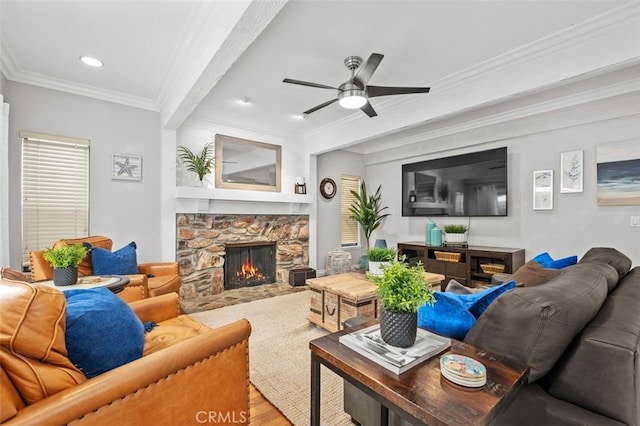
point(543, 190)
point(618, 169)
point(126, 167)
point(571, 170)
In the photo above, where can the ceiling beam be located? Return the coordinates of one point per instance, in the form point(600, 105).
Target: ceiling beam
point(221, 32)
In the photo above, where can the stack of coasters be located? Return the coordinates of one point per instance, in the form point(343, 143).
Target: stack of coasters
point(463, 371)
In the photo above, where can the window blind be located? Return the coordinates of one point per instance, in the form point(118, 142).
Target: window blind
point(55, 190)
point(349, 234)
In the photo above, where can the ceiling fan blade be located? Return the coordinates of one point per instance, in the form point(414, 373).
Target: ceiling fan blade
point(368, 109)
point(307, 83)
point(374, 91)
point(366, 71)
point(314, 109)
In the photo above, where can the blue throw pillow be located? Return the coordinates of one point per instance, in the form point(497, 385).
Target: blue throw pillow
point(453, 314)
point(120, 262)
point(102, 332)
point(483, 299)
point(448, 316)
point(543, 258)
point(547, 261)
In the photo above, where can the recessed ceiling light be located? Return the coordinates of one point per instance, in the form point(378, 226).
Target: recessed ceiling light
point(244, 100)
point(92, 62)
point(300, 116)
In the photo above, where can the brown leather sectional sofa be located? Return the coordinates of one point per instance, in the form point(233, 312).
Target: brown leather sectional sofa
point(189, 374)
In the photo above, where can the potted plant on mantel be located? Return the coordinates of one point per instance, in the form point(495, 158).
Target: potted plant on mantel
point(201, 164)
point(402, 289)
point(366, 210)
point(65, 260)
point(379, 257)
point(455, 234)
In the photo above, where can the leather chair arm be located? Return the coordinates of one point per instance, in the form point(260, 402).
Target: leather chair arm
point(159, 268)
point(158, 308)
point(41, 270)
point(137, 289)
point(181, 384)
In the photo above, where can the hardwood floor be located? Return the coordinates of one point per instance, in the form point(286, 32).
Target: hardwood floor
point(262, 412)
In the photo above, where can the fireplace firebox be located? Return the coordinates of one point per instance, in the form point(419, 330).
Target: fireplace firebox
point(249, 264)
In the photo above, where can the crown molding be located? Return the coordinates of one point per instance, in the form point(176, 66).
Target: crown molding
point(581, 98)
point(13, 73)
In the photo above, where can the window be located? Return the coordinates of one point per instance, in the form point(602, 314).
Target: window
point(349, 235)
point(55, 190)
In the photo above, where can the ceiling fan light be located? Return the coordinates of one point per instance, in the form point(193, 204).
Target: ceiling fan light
point(352, 99)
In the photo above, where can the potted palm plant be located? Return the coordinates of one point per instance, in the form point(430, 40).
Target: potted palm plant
point(65, 260)
point(201, 164)
point(367, 211)
point(402, 288)
point(379, 257)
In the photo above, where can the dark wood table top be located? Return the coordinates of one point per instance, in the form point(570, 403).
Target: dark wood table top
point(421, 391)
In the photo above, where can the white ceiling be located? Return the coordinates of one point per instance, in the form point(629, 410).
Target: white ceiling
point(154, 56)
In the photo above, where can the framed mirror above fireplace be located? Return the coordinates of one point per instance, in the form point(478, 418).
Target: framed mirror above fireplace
point(247, 164)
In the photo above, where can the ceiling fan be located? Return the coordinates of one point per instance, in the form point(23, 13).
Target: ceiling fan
point(355, 93)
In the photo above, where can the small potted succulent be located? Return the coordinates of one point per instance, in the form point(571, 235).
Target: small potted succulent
point(403, 289)
point(379, 257)
point(455, 233)
point(65, 260)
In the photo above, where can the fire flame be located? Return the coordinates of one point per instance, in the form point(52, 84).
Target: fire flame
point(248, 270)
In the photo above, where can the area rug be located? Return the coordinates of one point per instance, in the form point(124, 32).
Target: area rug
point(279, 356)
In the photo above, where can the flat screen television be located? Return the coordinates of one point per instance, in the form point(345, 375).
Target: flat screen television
point(472, 184)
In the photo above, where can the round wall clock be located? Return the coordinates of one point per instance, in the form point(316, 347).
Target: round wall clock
point(327, 188)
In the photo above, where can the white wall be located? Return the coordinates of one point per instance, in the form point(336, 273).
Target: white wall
point(576, 222)
point(333, 165)
point(122, 210)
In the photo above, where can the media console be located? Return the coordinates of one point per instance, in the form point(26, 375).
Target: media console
point(467, 269)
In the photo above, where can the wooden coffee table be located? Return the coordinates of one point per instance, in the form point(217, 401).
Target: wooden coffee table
point(336, 298)
point(420, 394)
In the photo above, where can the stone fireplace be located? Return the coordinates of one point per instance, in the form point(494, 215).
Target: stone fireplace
point(203, 241)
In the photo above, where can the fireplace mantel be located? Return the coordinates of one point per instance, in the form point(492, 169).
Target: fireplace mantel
point(189, 192)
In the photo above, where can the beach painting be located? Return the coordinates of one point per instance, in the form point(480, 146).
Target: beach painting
point(618, 170)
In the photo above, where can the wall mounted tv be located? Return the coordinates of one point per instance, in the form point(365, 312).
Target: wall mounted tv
point(472, 184)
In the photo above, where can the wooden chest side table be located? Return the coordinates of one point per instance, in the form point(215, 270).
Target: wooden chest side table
point(336, 298)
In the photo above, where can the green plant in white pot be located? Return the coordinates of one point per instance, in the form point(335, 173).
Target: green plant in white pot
point(402, 289)
point(65, 260)
point(455, 233)
point(367, 211)
point(379, 257)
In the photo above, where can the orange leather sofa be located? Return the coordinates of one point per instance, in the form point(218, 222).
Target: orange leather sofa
point(188, 373)
point(154, 279)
